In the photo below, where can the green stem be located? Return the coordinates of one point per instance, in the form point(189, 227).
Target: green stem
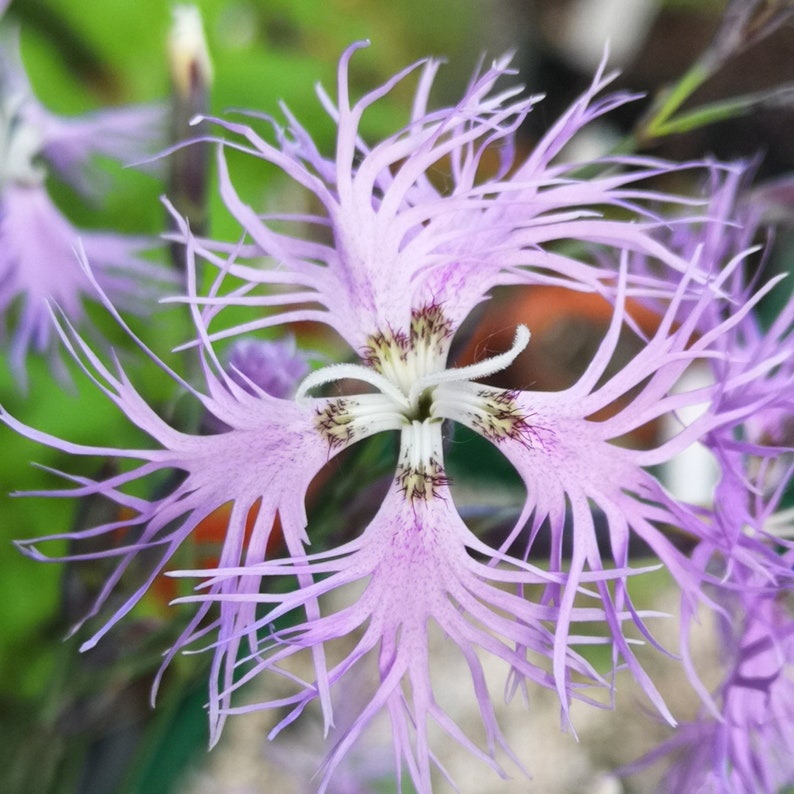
point(670, 100)
point(726, 109)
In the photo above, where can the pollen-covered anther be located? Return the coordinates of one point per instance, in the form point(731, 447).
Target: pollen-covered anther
point(385, 348)
point(429, 327)
point(495, 413)
point(420, 473)
point(335, 423)
point(415, 352)
point(422, 482)
point(344, 420)
point(500, 417)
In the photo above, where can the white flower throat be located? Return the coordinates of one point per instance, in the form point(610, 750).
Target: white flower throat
point(20, 145)
point(415, 394)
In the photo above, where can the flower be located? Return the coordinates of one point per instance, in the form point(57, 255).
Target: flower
point(67, 144)
point(394, 265)
point(38, 263)
point(276, 367)
point(748, 744)
point(742, 741)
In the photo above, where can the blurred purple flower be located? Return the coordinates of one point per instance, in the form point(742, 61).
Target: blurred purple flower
point(397, 267)
point(38, 262)
point(276, 367)
point(68, 145)
point(743, 740)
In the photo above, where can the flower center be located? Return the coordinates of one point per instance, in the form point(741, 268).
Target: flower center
point(415, 394)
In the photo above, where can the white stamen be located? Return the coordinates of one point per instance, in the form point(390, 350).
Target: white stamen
point(479, 370)
point(337, 372)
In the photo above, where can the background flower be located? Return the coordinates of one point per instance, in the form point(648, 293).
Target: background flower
point(38, 263)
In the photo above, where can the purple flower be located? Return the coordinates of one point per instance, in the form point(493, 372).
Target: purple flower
point(38, 263)
point(66, 144)
point(395, 267)
point(275, 367)
point(743, 740)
